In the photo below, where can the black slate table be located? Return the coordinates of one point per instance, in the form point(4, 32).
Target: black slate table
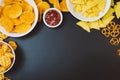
point(65, 53)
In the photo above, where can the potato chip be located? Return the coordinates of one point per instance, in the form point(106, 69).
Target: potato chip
point(37, 1)
point(4, 47)
point(2, 76)
point(56, 4)
point(51, 1)
point(63, 6)
point(22, 28)
point(26, 6)
point(6, 62)
point(12, 11)
point(16, 21)
point(43, 5)
point(10, 55)
point(13, 44)
point(8, 1)
point(6, 23)
point(2, 69)
point(27, 17)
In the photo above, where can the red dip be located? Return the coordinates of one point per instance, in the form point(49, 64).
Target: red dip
point(52, 17)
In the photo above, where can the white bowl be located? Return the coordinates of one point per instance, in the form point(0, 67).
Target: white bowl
point(32, 3)
point(61, 17)
point(79, 16)
point(13, 61)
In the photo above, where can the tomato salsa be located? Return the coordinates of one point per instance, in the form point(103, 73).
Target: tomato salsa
point(52, 18)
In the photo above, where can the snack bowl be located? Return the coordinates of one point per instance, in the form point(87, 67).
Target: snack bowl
point(12, 59)
point(16, 34)
point(52, 17)
point(79, 16)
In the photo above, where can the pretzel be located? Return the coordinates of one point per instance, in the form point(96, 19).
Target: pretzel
point(114, 41)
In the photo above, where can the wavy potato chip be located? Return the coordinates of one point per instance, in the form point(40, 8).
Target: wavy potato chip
point(22, 28)
point(43, 5)
point(12, 11)
point(27, 17)
point(13, 44)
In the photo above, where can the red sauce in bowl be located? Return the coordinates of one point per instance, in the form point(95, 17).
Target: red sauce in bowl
point(52, 18)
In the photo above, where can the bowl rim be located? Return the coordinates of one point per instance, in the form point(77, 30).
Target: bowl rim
point(13, 52)
point(108, 3)
point(35, 9)
point(58, 12)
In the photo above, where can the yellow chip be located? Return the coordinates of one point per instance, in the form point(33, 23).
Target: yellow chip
point(8, 1)
point(22, 28)
point(51, 1)
point(10, 55)
point(12, 11)
point(4, 47)
point(43, 5)
point(26, 6)
point(63, 6)
point(56, 4)
point(2, 76)
point(13, 44)
point(6, 23)
point(6, 61)
point(27, 17)
point(37, 1)
point(16, 21)
point(1, 70)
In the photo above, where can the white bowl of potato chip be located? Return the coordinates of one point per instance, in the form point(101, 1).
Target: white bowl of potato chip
point(88, 10)
point(7, 57)
point(18, 17)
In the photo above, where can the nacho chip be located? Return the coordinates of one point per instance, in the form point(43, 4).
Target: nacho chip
point(27, 17)
point(63, 6)
point(43, 5)
point(22, 28)
point(12, 11)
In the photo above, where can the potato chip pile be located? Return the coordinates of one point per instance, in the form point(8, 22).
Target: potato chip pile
point(44, 5)
point(16, 16)
point(6, 57)
point(101, 23)
point(113, 31)
point(89, 8)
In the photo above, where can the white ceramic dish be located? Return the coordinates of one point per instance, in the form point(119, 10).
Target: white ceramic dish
point(79, 16)
point(13, 61)
point(32, 3)
point(60, 16)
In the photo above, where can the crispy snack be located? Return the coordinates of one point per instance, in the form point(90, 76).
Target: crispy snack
point(13, 44)
point(63, 6)
point(12, 11)
point(2, 76)
point(27, 17)
point(51, 1)
point(43, 5)
point(3, 36)
point(26, 6)
point(8, 1)
point(6, 23)
point(22, 28)
point(114, 41)
point(106, 32)
point(37, 1)
point(56, 4)
point(6, 57)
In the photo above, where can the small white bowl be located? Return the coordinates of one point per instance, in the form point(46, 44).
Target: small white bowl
point(61, 17)
point(13, 61)
point(79, 16)
point(32, 3)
